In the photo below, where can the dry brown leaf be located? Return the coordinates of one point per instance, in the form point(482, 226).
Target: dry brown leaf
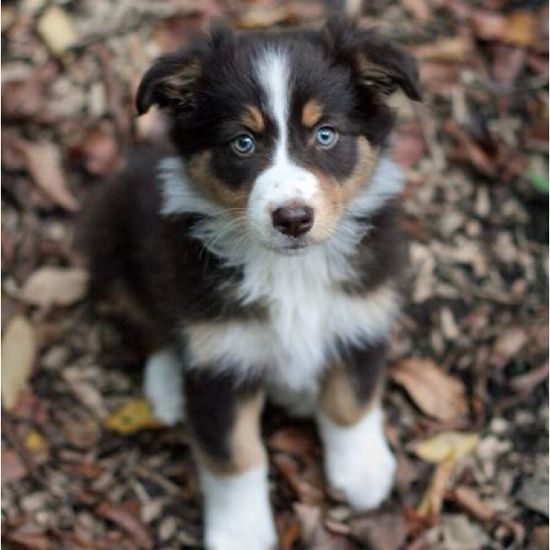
point(314, 534)
point(516, 27)
point(409, 144)
point(508, 344)
point(18, 357)
point(420, 9)
point(44, 165)
point(55, 286)
point(379, 531)
point(100, 152)
point(435, 392)
point(12, 466)
point(28, 536)
point(454, 49)
point(470, 502)
point(56, 28)
point(128, 521)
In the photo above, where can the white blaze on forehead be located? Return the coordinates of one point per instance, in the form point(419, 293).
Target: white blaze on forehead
point(273, 69)
point(283, 181)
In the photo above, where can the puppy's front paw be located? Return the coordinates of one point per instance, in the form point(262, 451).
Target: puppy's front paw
point(365, 478)
point(237, 511)
point(358, 460)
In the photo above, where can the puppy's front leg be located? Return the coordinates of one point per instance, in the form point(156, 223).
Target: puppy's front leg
point(358, 460)
point(224, 420)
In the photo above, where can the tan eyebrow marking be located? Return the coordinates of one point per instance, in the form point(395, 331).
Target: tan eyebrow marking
point(311, 113)
point(253, 118)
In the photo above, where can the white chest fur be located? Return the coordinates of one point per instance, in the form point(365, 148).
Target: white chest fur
point(308, 315)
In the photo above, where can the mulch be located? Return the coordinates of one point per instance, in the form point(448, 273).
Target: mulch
point(84, 467)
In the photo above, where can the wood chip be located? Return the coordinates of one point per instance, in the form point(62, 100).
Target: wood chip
point(55, 286)
point(56, 28)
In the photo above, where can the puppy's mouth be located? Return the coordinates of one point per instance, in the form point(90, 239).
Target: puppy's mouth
point(289, 246)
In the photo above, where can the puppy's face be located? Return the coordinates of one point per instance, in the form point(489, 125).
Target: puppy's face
point(281, 129)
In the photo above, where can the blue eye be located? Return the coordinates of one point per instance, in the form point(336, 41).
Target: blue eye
point(243, 145)
point(326, 136)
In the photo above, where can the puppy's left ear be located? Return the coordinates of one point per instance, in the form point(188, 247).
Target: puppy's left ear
point(377, 63)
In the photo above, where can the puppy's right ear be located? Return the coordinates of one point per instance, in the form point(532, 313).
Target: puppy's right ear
point(170, 82)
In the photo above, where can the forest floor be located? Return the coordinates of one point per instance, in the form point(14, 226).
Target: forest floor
point(83, 464)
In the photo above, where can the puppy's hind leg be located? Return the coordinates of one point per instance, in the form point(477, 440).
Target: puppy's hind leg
point(163, 386)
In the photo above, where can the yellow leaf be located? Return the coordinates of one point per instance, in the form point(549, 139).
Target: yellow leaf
point(132, 417)
point(35, 441)
point(445, 446)
point(18, 356)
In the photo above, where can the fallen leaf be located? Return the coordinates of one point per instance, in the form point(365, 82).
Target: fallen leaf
point(100, 152)
point(12, 466)
point(533, 493)
point(469, 501)
point(35, 441)
point(508, 344)
point(56, 28)
point(44, 165)
point(525, 383)
point(409, 144)
point(18, 357)
point(314, 534)
point(133, 416)
point(288, 528)
point(445, 446)
point(454, 49)
point(516, 27)
point(420, 9)
point(539, 538)
point(55, 286)
point(28, 536)
point(435, 392)
point(379, 531)
point(128, 521)
point(432, 501)
point(444, 450)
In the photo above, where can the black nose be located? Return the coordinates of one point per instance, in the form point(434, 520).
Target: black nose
point(293, 221)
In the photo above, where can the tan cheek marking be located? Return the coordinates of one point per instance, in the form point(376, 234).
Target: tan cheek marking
point(246, 446)
point(253, 119)
point(200, 170)
point(311, 113)
point(330, 202)
point(367, 157)
point(328, 206)
point(338, 399)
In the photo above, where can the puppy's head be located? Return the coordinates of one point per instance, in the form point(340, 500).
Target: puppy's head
point(281, 129)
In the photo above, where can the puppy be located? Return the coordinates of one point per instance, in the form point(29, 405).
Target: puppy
point(264, 246)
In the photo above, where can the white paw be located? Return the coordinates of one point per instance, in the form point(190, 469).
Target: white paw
point(163, 386)
point(358, 460)
point(237, 511)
